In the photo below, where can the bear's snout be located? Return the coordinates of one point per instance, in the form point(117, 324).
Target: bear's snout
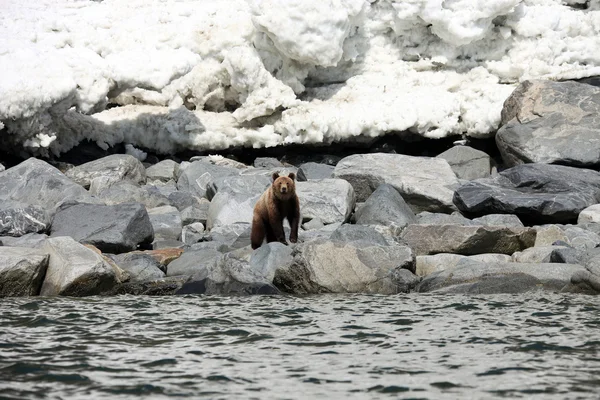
point(284, 189)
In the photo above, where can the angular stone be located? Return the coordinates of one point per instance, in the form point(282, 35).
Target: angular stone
point(140, 267)
point(228, 208)
point(233, 236)
point(467, 240)
point(551, 122)
point(193, 262)
point(547, 235)
point(269, 257)
point(427, 265)
point(163, 171)
point(128, 192)
point(35, 182)
point(267, 162)
point(474, 277)
point(384, 207)
point(536, 193)
point(159, 287)
point(330, 200)
point(196, 177)
point(336, 267)
point(18, 219)
point(114, 168)
point(498, 220)
point(166, 223)
point(113, 229)
point(163, 256)
point(580, 238)
point(193, 214)
point(313, 170)
point(249, 185)
point(22, 271)
point(75, 270)
point(468, 163)
point(358, 233)
point(589, 214)
point(456, 218)
point(426, 184)
point(192, 233)
point(30, 240)
point(543, 254)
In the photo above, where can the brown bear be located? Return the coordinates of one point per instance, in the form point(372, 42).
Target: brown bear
point(279, 201)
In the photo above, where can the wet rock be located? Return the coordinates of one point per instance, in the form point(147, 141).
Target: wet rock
point(198, 175)
point(329, 200)
point(35, 182)
point(113, 168)
point(268, 258)
point(384, 207)
point(313, 170)
point(159, 287)
point(551, 122)
point(426, 184)
point(140, 267)
point(18, 219)
point(22, 271)
point(75, 270)
point(467, 240)
point(536, 193)
point(467, 162)
point(162, 171)
point(192, 233)
point(335, 267)
point(166, 223)
point(473, 277)
point(113, 229)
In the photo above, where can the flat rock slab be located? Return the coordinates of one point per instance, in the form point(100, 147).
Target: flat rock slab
point(111, 169)
point(329, 200)
point(467, 240)
point(112, 229)
point(536, 193)
point(473, 277)
point(426, 184)
point(22, 271)
point(551, 122)
point(36, 182)
point(76, 270)
point(336, 267)
point(18, 219)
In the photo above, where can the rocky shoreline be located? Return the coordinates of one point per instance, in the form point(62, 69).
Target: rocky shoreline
point(372, 223)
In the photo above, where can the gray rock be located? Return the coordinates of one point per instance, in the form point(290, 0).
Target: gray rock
point(426, 184)
point(269, 257)
point(192, 214)
point(228, 276)
point(473, 277)
point(166, 223)
point(2, 168)
point(536, 193)
point(30, 240)
point(128, 192)
point(330, 200)
point(167, 244)
point(183, 200)
point(358, 233)
point(467, 240)
point(162, 171)
point(547, 235)
point(140, 267)
point(323, 233)
point(229, 208)
point(112, 229)
point(455, 218)
point(194, 262)
point(159, 287)
point(192, 233)
point(335, 267)
point(22, 271)
point(313, 170)
point(498, 220)
point(589, 214)
point(267, 162)
point(198, 175)
point(18, 219)
point(384, 207)
point(75, 270)
point(315, 223)
point(114, 168)
point(219, 161)
point(467, 162)
point(35, 182)
point(249, 185)
point(580, 238)
point(233, 236)
point(551, 122)
point(426, 265)
point(542, 254)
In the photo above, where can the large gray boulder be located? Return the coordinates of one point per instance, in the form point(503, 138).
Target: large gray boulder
point(22, 271)
point(427, 265)
point(468, 163)
point(18, 219)
point(351, 267)
point(474, 277)
point(384, 207)
point(166, 223)
point(129, 192)
point(234, 236)
point(467, 239)
point(163, 171)
point(329, 200)
point(313, 170)
point(228, 208)
point(30, 240)
point(111, 169)
point(194, 262)
point(76, 270)
point(426, 184)
point(250, 185)
point(536, 193)
point(36, 182)
point(551, 122)
point(140, 267)
point(358, 233)
point(112, 229)
point(198, 175)
point(269, 257)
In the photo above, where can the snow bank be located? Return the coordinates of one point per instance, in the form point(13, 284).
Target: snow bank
point(209, 75)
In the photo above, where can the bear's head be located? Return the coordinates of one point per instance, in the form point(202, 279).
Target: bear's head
point(284, 187)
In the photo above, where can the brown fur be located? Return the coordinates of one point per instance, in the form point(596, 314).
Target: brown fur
point(278, 202)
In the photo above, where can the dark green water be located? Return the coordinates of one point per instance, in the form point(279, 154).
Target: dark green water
point(335, 346)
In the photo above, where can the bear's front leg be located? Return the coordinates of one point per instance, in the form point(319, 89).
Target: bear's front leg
point(276, 222)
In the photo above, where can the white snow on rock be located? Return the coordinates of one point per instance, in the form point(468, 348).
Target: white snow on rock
point(188, 74)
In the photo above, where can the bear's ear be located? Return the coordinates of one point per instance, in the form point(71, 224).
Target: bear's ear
point(275, 175)
point(292, 175)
